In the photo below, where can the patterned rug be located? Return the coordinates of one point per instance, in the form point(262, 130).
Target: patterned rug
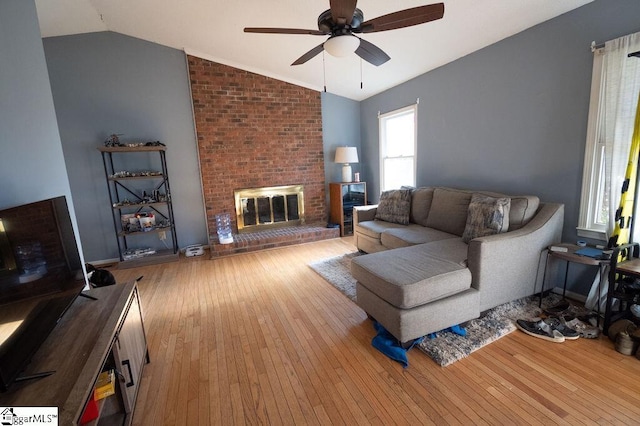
point(446, 347)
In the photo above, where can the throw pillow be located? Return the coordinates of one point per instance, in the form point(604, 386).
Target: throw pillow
point(394, 206)
point(487, 216)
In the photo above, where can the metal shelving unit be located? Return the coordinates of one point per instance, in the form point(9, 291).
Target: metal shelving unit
point(125, 199)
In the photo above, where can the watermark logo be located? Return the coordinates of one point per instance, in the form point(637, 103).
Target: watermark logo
point(19, 416)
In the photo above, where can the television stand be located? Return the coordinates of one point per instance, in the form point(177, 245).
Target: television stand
point(78, 349)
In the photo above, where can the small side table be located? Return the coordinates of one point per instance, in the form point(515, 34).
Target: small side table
point(570, 256)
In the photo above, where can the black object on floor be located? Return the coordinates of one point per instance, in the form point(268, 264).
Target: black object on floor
point(540, 329)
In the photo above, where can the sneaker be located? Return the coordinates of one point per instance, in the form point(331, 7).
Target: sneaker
point(586, 330)
point(564, 329)
point(541, 330)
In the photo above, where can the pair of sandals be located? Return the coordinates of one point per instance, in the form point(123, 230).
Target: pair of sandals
point(551, 329)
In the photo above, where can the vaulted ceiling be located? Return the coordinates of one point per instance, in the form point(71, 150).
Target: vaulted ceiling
point(213, 29)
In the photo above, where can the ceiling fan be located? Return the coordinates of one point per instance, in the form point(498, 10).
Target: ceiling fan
point(343, 20)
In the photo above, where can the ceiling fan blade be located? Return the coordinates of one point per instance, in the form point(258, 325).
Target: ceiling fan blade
point(371, 53)
point(342, 11)
point(403, 18)
point(310, 54)
point(282, 31)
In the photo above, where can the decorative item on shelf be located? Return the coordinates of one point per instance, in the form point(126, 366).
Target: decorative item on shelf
point(127, 174)
point(223, 226)
point(105, 385)
point(346, 155)
point(129, 222)
point(147, 221)
point(130, 254)
point(113, 140)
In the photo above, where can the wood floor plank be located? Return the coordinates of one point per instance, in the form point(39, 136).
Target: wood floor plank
point(260, 338)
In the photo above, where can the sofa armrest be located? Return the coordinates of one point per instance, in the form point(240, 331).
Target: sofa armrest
point(364, 213)
point(509, 266)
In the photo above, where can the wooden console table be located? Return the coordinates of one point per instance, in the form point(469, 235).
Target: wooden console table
point(90, 335)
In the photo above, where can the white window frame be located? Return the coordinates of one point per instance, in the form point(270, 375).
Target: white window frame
point(383, 141)
point(593, 178)
point(612, 111)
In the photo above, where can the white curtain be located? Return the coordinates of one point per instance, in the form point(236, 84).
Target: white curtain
point(619, 97)
point(621, 84)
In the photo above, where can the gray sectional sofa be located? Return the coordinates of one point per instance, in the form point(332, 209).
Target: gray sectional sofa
point(439, 256)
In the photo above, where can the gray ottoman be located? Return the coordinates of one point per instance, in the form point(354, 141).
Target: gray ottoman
point(413, 292)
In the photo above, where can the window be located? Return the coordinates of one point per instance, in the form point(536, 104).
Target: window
point(398, 140)
point(614, 96)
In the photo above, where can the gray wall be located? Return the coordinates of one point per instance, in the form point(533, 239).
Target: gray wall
point(32, 165)
point(340, 127)
point(511, 117)
point(106, 83)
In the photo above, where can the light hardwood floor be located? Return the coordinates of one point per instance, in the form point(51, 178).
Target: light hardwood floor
point(262, 339)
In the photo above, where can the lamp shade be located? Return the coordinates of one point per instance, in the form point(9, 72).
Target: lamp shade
point(346, 154)
point(341, 45)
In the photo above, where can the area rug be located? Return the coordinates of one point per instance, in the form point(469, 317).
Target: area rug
point(445, 347)
point(337, 271)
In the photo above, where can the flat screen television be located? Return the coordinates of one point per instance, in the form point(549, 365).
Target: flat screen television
point(41, 274)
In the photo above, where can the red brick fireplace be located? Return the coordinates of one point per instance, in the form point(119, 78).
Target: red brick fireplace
point(254, 131)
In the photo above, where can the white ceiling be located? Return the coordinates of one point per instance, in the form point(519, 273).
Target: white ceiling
point(213, 29)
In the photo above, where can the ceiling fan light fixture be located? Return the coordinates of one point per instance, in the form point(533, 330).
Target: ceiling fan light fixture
point(342, 45)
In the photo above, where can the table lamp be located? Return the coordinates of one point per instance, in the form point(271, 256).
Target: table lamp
point(346, 155)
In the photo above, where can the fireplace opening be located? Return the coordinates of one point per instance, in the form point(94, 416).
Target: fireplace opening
point(261, 208)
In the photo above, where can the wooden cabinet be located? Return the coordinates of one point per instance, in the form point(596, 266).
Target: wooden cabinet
point(343, 197)
point(130, 352)
point(138, 183)
point(92, 336)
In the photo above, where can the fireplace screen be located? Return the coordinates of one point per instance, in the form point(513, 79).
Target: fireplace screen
point(259, 208)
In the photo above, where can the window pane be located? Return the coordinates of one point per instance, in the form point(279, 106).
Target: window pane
point(400, 135)
point(602, 201)
point(398, 172)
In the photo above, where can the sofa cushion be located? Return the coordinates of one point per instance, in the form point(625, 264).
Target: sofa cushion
point(408, 277)
point(421, 199)
point(453, 249)
point(374, 228)
point(523, 208)
point(449, 209)
point(411, 235)
point(487, 216)
point(394, 206)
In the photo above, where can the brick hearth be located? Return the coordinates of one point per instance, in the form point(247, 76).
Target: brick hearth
point(271, 238)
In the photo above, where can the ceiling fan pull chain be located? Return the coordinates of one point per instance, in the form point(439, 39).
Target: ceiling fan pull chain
point(324, 73)
point(361, 86)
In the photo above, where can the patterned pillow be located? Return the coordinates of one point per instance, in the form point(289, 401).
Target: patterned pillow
point(487, 216)
point(394, 206)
